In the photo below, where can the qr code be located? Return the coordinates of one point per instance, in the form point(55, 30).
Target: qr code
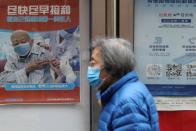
point(153, 70)
point(173, 70)
point(191, 71)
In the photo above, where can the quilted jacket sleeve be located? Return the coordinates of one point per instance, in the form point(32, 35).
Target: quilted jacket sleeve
point(130, 117)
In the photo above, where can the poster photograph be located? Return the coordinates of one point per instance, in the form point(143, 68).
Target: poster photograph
point(165, 50)
point(39, 52)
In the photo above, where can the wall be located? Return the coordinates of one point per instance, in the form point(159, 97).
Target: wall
point(55, 117)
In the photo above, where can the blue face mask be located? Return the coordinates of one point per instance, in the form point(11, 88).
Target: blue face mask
point(22, 49)
point(64, 34)
point(93, 74)
point(71, 30)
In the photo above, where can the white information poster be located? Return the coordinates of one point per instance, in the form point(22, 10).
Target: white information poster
point(165, 50)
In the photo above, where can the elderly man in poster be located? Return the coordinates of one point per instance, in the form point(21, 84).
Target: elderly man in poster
point(29, 63)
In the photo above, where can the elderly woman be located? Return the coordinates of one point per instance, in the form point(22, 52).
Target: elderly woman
point(127, 105)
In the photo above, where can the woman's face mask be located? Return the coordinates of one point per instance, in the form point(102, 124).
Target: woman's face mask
point(22, 49)
point(93, 76)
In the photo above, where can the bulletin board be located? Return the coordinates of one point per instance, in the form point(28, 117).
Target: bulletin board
point(45, 21)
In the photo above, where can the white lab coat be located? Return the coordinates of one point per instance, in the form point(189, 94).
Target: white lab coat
point(62, 43)
point(65, 47)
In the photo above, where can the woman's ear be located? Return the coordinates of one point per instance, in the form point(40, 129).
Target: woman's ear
point(108, 68)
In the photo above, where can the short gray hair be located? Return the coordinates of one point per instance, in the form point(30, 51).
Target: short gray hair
point(117, 55)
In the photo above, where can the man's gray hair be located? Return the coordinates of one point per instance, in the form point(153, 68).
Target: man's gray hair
point(117, 55)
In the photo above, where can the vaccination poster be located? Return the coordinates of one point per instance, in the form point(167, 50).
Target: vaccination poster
point(39, 52)
point(165, 50)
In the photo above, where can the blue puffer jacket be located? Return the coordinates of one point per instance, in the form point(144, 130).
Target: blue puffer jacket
point(128, 106)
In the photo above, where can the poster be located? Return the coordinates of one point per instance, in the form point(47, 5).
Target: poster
point(39, 52)
point(165, 50)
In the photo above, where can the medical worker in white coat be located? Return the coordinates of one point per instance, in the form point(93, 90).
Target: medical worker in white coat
point(64, 45)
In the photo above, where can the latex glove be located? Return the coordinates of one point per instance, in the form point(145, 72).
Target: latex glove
point(67, 71)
